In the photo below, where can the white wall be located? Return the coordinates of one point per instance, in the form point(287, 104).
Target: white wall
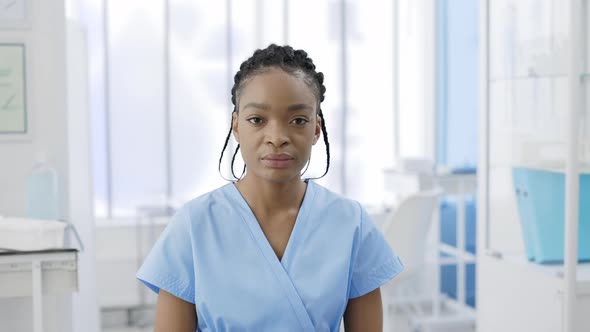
point(85, 304)
point(47, 104)
point(59, 127)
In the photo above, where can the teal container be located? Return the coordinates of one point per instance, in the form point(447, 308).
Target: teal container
point(42, 193)
point(525, 210)
point(540, 196)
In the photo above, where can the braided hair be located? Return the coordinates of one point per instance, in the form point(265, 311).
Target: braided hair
point(294, 62)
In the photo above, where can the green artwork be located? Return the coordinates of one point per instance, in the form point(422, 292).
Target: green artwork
point(13, 110)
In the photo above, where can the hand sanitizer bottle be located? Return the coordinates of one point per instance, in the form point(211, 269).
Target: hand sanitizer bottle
point(42, 191)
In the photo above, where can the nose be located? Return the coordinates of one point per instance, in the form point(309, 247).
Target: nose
point(276, 134)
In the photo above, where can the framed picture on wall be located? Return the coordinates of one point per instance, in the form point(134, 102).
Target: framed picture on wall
point(15, 14)
point(14, 113)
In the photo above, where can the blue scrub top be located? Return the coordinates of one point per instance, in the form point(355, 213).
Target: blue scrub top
point(215, 255)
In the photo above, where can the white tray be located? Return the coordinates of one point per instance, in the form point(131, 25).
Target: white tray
point(31, 234)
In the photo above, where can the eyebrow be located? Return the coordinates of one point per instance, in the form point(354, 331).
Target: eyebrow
point(297, 107)
point(266, 107)
point(258, 106)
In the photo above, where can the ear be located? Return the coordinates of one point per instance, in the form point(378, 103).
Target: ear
point(318, 129)
point(234, 119)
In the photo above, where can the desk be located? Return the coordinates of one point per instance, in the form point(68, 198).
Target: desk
point(34, 273)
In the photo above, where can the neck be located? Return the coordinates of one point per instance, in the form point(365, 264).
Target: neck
point(272, 197)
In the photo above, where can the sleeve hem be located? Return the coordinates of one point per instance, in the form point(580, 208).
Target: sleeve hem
point(170, 285)
point(378, 277)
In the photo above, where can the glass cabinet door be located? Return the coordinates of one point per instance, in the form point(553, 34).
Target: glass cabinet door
point(527, 106)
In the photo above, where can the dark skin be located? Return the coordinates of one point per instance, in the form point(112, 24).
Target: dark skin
point(276, 126)
point(174, 314)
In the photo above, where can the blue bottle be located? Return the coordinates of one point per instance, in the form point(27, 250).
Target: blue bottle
point(42, 192)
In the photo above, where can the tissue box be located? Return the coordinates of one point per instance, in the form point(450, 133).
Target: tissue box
point(540, 197)
point(31, 234)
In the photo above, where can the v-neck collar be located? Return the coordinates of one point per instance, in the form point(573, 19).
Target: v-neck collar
point(256, 229)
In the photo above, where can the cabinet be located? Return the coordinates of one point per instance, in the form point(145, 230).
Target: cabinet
point(37, 273)
point(534, 84)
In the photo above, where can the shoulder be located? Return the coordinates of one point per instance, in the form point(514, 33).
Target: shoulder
point(336, 205)
point(205, 207)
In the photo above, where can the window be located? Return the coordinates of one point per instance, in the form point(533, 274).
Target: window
point(160, 90)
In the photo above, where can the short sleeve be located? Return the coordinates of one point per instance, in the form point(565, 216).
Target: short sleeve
point(169, 265)
point(375, 262)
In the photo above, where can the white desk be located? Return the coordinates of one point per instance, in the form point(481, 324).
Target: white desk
point(34, 273)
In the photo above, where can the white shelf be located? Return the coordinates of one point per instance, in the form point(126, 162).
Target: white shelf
point(466, 256)
point(527, 77)
point(552, 270)
point(585, 77)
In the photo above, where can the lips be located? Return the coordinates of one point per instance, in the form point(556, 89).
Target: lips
point(278, 160)
point(277, 156)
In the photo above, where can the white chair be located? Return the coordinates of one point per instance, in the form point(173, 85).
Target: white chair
point(406, 230)
point(407, 227)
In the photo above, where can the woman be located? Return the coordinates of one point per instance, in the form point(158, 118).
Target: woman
point(271, 252)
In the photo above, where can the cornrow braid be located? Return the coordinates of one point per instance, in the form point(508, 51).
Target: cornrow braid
point(223, 150)
point(294, 62)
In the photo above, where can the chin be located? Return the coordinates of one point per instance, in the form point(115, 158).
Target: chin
point(279, 175)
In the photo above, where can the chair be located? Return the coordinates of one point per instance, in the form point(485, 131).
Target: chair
point(406, 230)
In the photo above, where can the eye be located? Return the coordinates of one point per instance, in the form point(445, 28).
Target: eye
point(255, 120)
point(299, 121)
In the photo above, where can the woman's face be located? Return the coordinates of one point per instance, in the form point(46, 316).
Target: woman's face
point(276, 125)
